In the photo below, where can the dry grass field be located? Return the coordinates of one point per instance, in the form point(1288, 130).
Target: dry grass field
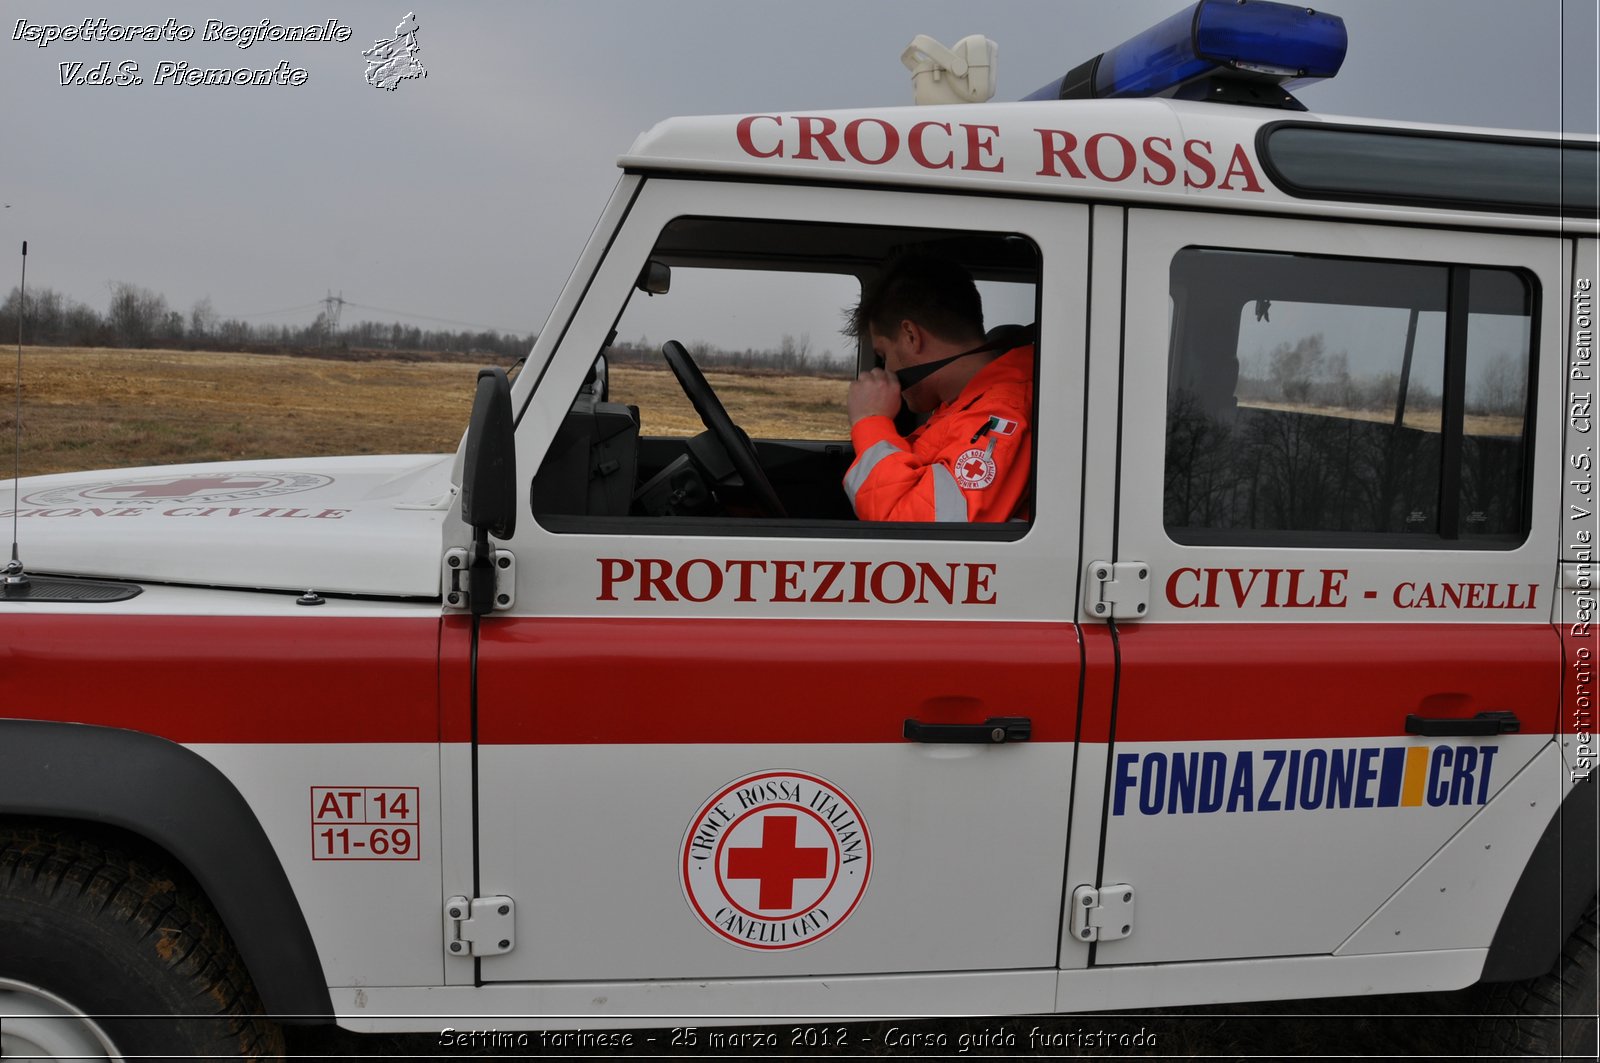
point(87, 408)
point(765, 405)
point(97, 408)
point(93, 408)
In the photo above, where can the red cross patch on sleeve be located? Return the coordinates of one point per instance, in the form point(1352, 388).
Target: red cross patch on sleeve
point(975, 469)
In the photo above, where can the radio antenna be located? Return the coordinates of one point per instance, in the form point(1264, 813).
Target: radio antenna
point(13, 573)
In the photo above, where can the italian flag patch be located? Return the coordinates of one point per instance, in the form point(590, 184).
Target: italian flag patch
point(1001, 427)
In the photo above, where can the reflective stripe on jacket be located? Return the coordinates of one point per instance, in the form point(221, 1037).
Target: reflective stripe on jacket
point(969, 461)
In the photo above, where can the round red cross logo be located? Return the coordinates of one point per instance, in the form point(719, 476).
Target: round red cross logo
point(975, 469)
point(776, 860)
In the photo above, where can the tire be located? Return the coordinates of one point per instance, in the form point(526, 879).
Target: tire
point(1549, 1016)
point(104, 955)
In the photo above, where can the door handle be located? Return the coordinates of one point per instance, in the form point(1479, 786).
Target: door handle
point(1485, 723)
point(995, 730)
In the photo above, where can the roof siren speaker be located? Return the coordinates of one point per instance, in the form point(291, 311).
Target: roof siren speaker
point(963, 74)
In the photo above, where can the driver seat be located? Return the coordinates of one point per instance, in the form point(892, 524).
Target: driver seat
point(592, 462)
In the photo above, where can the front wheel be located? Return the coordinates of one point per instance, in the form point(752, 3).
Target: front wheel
point(106, 956)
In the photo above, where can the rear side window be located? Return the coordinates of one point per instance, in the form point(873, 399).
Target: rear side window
point(1522, 176)
point(1359, 402)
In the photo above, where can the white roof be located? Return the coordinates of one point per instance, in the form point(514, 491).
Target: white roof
point(1149, 150)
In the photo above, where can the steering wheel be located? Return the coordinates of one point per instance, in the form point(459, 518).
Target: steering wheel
point(741, 452)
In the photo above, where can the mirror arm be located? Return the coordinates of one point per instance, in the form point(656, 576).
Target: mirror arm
point(480, 574)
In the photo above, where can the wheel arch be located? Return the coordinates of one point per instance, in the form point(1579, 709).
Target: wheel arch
point(180, 805)
point(1555, 890)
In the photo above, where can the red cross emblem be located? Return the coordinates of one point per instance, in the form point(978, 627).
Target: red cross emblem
point(182, 488)
point(777, 862)
point(975, 469)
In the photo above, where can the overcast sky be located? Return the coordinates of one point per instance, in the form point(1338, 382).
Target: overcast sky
point(467, 195)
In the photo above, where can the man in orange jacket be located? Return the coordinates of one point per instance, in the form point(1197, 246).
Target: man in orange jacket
point(970, 460)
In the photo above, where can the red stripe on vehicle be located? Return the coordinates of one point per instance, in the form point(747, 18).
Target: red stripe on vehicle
point(681, 681)
point(226, 679)
point(455, 678)
point(676, 680)
point(1099, 686)
point(1244, 682)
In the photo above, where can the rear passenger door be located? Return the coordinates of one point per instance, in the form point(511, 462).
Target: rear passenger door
point(1330, 464)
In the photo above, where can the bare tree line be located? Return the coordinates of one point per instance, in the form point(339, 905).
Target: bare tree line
point(1307, 373)
point(139, 317)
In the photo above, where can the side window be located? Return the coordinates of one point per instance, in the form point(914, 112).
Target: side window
point(1371, 403)
point(728, 366)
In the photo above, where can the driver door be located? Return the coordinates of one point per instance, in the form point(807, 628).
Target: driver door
point(692, 752)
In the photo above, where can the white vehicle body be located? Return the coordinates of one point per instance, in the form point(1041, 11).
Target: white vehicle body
point(562, 750)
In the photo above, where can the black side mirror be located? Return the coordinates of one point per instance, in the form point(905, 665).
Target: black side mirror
point(655, 278)
point(597, 383)
point(489, 473)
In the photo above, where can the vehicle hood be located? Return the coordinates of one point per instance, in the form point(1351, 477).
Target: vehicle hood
point(359, 525)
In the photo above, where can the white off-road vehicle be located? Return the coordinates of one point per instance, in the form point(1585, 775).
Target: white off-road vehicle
point(1283, 688)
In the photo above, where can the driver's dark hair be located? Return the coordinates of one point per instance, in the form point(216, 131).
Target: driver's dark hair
point(934, 292)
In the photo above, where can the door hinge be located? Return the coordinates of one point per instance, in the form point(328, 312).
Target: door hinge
point(1119, 591)
point(1103, 914)
point(483, 926)
point(458, 582)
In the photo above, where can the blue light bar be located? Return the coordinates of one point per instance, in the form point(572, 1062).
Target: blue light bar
point(1235, 41)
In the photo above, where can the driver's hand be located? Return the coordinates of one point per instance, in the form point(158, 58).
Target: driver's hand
point(874, 392)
